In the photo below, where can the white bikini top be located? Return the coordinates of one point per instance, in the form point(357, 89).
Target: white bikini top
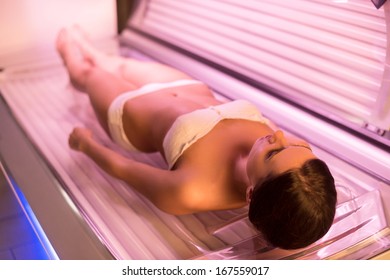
point(189, 128)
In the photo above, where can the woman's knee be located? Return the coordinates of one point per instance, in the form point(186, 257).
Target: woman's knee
point(79, 74)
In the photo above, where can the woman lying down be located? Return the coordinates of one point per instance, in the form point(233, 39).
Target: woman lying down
point(221, 155)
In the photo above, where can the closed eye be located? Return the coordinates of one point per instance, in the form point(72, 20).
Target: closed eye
point(271, 153)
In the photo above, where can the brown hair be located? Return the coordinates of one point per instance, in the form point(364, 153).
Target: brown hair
point(294, 209)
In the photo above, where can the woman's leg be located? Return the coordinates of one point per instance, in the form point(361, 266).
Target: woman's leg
point(101, 86)
point(136, 72)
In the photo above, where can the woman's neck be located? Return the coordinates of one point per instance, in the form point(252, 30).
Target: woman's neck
point(240, 174)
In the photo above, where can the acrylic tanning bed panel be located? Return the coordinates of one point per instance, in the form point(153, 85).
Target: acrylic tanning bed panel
point(48, 108)
point(37, 94)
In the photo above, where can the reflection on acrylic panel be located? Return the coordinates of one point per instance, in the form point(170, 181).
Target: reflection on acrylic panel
point(359, 230)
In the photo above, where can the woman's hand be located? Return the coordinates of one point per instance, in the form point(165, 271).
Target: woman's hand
point(79, 137)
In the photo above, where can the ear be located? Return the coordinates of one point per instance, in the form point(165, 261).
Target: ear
point(249, 193)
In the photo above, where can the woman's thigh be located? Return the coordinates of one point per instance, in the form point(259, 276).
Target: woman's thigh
point(102, 88)
point(140, 73)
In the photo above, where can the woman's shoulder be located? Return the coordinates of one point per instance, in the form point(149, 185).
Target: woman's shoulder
point(208, 189)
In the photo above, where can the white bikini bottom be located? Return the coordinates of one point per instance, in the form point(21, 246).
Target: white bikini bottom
point(115, 111)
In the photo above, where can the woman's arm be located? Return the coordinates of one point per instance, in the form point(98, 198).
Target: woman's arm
point(165, 188)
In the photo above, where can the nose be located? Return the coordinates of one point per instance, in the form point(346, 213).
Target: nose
point(279, 138)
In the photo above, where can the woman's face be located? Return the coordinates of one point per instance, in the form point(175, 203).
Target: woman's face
point(275, 154)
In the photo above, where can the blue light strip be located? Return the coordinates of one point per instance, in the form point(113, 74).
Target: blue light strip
point(47, 247)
